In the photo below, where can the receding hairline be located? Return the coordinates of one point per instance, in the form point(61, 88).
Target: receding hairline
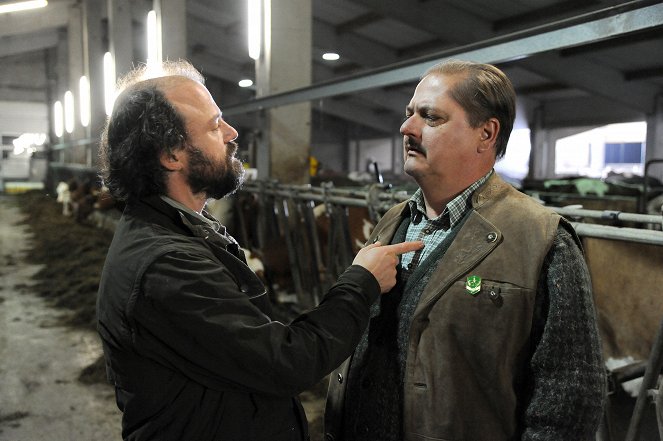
point(167, 75)
point(163, 84)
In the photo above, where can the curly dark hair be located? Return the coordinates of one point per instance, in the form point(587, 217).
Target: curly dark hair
point(143, 125)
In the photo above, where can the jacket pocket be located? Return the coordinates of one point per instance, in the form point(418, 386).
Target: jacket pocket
point(465, 355)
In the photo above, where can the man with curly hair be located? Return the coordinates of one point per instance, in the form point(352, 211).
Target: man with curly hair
point(185, 324)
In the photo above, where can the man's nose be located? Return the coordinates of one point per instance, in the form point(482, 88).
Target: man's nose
point(408, 127)
point(229, 133)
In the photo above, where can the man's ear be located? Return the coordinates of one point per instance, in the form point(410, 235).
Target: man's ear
point(488, 134)
point(171, 160)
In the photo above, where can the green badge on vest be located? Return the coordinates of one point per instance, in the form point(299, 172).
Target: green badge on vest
point(473, 284)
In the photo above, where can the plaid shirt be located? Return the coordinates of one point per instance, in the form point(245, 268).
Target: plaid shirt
point(433, 231)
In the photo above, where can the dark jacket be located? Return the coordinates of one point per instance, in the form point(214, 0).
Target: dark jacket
point(491, 366)
point(188, 341)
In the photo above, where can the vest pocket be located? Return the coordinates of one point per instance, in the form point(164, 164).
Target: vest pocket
point(468, 349)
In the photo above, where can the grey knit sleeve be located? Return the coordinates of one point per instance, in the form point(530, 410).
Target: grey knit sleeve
point(567, 375)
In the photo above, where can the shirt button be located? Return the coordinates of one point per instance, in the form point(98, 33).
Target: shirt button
point(339, 377)
point(491, 237)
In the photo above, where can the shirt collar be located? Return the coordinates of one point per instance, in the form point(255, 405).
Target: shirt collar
point(455, 209)
point(204, 217)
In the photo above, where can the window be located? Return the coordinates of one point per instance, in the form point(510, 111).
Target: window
point(623, 153)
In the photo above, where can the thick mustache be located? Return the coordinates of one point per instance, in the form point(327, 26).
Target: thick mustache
point(232, 147)
point(411, 144)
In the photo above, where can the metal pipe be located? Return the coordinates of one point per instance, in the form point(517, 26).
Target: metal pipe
point(654, 365)
point(314, 193)
point(645, 185)
point(598, 25)
point(609, 215)
point(359, 198)
point(651, 237)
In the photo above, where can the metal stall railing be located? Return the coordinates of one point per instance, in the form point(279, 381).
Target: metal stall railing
point(645, 185)
point(313, 225)
point(291, 209)
point(75, 159)
point(649, 391)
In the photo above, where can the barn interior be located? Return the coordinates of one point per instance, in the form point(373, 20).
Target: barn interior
point(317, 91)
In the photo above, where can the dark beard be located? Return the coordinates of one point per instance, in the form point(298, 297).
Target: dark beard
point(215, 180)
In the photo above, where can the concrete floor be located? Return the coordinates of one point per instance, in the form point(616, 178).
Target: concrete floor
point(40, 360)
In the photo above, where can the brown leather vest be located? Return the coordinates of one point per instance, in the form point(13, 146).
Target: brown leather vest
point(467, 353)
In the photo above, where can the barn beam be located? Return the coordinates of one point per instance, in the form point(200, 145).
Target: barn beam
point(515, 46)
point(55, 15)
point(19, 44)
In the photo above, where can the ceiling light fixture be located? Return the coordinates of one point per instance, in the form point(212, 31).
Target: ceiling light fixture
point(22, 6)
point(255, 27)
point(245, 83)
point(84, 100)
point(69, 119)
point(331, 56)
point(58, 119)
point(109, 83)
point(153, 45)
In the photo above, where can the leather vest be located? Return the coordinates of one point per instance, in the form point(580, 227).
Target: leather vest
point(467, 357)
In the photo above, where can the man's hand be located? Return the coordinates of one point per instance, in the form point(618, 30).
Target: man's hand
point(381, 261)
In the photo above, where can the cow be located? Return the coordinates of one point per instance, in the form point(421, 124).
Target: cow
point(302, 247)
point(64, 197)
point(626, 279)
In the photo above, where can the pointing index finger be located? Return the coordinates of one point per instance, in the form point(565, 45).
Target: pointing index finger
point(404, 247)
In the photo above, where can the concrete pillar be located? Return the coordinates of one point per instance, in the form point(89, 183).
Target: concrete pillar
point(655, 139)
point(285, 64)
point(542, 156)
point(120, 35)
point(171, 15)
point(93, 48)
point(76, 63)
point(60, 85)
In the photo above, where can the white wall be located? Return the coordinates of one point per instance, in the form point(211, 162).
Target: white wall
point(22, 117)
point(17, 118)
point(369, 150)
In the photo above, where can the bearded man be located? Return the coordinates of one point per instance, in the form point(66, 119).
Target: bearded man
point(184, 322)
